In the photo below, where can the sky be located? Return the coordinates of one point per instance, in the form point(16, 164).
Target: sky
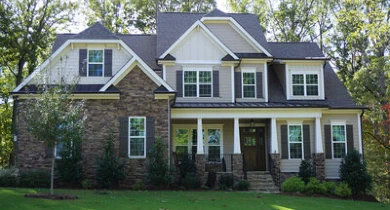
point(81, 23)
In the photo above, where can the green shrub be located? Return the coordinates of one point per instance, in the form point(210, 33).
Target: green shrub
point(306, 170)
point(330, 187)
point(191, 181)
point(187, 165)
point(314, 186)
point(243, 185)
point(139, 185)
point(343, 190)
point(86, 184)
point(225, 181)
point(211, 178)
point(69, 167)
point(34, 178)
point(353, 171)
point(158, 170)
point(8, 177)
point(293, 184)
point(109, 170)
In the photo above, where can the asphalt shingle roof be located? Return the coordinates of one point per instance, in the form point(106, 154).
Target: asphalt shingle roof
point(95, 31)
point(295, 50)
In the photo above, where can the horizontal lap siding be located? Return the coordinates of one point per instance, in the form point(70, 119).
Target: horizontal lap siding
point(66, 64)
point(332, 168)
point(290, 165)
point(225, 89)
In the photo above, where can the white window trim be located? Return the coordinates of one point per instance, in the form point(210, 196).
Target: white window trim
point(190, 128)
point(129, 137)
point(95, 62)
point(304, 68)
point(335, 123)
point(197, 70)
point(305, 84)
point(248, 70)
point(288, 141)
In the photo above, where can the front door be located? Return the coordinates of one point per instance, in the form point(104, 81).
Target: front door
point(253, 148)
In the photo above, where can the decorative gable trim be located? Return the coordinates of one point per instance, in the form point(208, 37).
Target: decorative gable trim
point(120, 43)
point(240, 30)
point(208, 32)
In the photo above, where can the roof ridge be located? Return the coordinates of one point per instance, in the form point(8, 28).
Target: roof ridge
point(136, 34)
point(192, 13)
point(291, 42)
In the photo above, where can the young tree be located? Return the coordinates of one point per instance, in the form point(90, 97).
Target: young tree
point(53, 117)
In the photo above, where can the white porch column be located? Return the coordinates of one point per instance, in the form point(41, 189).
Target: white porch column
point(237, 146)
point(319, 148)
point(199, 142)
point(274, 138)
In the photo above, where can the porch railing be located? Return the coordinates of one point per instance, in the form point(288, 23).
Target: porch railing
point(221, 163)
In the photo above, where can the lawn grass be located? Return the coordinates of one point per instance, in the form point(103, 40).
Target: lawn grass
point(13, 198)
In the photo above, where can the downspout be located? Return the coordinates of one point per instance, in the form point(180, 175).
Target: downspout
point(169, 133)
point(361, 132)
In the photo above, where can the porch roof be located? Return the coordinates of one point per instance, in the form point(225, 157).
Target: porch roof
point(317, 104)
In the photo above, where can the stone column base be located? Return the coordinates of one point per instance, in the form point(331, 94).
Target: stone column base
point(319, 165)
point(200, 167)
point(275, 168)
point(238, 165)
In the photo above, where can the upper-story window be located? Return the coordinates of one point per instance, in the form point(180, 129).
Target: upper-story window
point(249, 83)
point(197, 83)
point(95, 63)
point(305, 84)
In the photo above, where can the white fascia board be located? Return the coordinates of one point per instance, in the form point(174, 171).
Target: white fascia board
point(42, 66)
point(252, 41)
point(118, 76)
point(208, 32)
point(245, 113)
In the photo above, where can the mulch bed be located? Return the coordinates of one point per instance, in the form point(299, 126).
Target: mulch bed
point(368, 198)
point(51, 197)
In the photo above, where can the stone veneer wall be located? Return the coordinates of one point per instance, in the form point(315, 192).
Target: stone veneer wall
point(238, 164)
point(136, 99)
point(275, 168)
point(319, 165)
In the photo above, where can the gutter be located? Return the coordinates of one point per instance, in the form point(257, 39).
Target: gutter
point(361, 132)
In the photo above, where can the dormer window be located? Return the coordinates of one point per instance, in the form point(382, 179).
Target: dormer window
point(305, 84)
point(249, 83)
point(197, 82)
point(95, 63)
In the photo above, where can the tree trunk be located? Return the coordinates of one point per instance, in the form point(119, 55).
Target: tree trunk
point(53, 159)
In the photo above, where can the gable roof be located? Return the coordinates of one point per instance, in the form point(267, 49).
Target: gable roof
point(172, 25)
point(296, 50)
point(95, 31)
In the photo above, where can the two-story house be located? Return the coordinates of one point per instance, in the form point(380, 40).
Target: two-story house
point(212, 87)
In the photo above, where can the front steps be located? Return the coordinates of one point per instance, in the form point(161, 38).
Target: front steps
point(261, 181)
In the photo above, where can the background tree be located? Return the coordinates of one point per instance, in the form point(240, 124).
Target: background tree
point(27, 29)
point(6, 140)
point(52, 117)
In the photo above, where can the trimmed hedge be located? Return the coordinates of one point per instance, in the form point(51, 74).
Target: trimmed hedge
point(8, 177)
point(34, 178)
point(293, 184)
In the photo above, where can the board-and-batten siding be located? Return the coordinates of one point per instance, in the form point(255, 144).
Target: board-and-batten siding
point(197, 46)
point(259, 68)
point(292, 165)
point(230, 37)
point(66, 64)
point(225, 88)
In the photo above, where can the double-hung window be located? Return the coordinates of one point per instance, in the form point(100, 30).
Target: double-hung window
point(58, 150)
point(305, 84)
point(181, 139)
point(137, 137)
point(339, 148)
point(214, 144)
point(295, 141)
point(95, 63)
point(197, 83)
point(249, 83)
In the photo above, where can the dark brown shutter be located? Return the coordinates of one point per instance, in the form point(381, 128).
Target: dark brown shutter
point(124, 137)
point(149, 133)
point(306, 141)
point(49, 150)
point(215, 83)
point(350, 145)
point(237, 83)
point(284, 139)
point(83, 62)
point(108, 63)
point(179, 83)
point(328, 142)
point(259, 84)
